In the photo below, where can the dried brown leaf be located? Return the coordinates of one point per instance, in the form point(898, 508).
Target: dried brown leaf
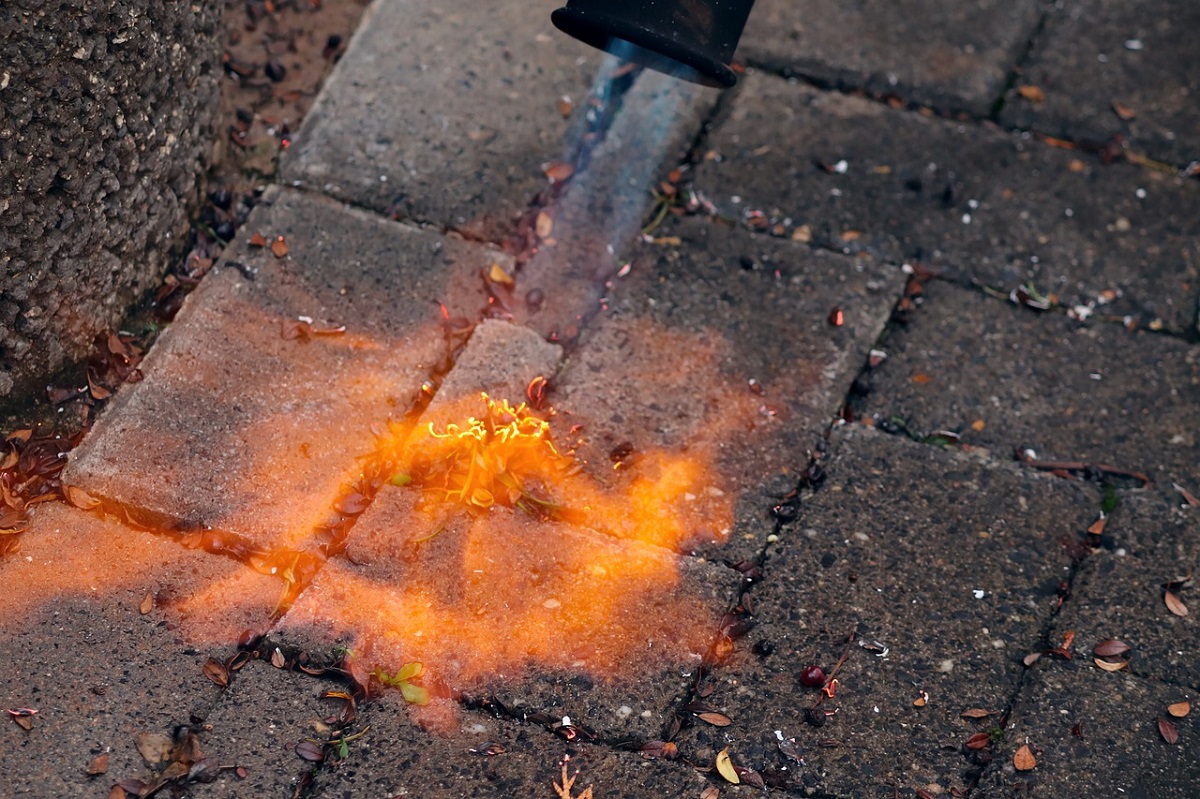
point(1111, 665)
point(22, 435)
point(277, 659)
point(710, 792)
point(147, 603)
point(565, 106)
point(976, 713)
point(98, 766)
point(257, 240)
point(79, 498)
point(1180, 709)
point(1175, 604)
point(558, 171)
point(979, 740)
point(1123, 112)
point(24, 722)
point(544, 225)
point(217, 672)
point(1033, 94)
point(1097, 527)
point(154, 747)
point(1023, 759)
point(715, 719)
point(1168, 731)
point(279, 247)
point(1110, 648)
point(313, 753)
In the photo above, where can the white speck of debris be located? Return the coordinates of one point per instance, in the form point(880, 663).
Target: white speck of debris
point(1121, 552)
point(875, 708)
point(835, 192)
point(966, 219)
point(1134, 44)
point(551, 604)
point(978, 593)
point(1081, 312)
point(624, 711)
point(478, 729)
point(689, 496)
point(973, 204)
point(1069, 212)
point(862, 537)
point(273, 570)
point(566, 722)
point(646, 714)
point(383, 178)
point(735, 199)
point(1102, 58)
point(998, 643)
point(713, 491)
point(1029, 454)
point(946, 666)
point(1095, 376)
point(841, 166)
point(772, 538)
point(1140, 194)
point(624, 270)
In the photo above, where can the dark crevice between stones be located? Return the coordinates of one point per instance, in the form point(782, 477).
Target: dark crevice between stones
point(1078, 551)
point(1018, 67)
point(892, 99)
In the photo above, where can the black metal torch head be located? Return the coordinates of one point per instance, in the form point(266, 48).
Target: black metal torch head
point(690, 39)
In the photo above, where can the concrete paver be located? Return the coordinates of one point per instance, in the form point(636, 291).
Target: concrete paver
point(966, 200)
point(1095, 393)
point(944, 568)
point(1148, 541)
point(1103, 68)
point(953, 58)
point(720, 349)
point(1118, 747)
point(247, 426)
point(79, 649)
point(445, 114)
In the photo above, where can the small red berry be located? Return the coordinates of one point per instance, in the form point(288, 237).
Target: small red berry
point(812, 677)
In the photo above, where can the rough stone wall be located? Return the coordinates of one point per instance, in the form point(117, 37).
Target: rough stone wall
point(107, 113)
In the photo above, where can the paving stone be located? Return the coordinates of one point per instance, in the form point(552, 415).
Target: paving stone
point(399, 759)
point(79, 650)
point(1119, 751)
point(1096, 57)
point(257, 723)
point(950, 564)
point(439, 116)
point(969, 201)
point(240, 427)
point(662, 380)
point(1148, 540)
point(954, 58)
point(596, 219)
point(547, 616)
point(1095, 393)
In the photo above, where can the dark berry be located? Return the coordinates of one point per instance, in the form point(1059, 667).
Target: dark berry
point(815, 716)
point(812, 677)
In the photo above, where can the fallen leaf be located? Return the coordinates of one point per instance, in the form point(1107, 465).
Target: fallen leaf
point(496, 274)
point(543, 225)
point(715, 719)
point(565, 106)
point(217, 672)
point(1097, 527)
point(976, 713)
point(257, 240)
point(117, 792)
point(314, 753)
point(1175, 604)
point(978, 741)
point(922, 700)
point(558, 171)
point(1023, 759)
point(279, 247)
point(1123, 112)
point(99, 765)
point(710, 792)
point(1032, 93)
point(1111, 665)
point(154, 747)
point(24, 722)
point(851, 235)
point(277, 659)
point(725, 767)
point(1168, 731)
point(79, 498)
point(147, 603)
point(1188, 496)
point(1180, 709)
point(1110, 647)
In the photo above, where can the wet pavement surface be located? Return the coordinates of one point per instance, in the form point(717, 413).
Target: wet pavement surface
point(858, 455)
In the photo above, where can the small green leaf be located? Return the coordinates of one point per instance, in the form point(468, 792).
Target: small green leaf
point(414, 694)
point(1109, 499)
point(409, 671)
point(401, 479)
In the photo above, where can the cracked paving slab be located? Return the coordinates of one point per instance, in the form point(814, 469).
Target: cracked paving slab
point(105, 632)
point(967, 201)
point(249, 425)
point(955, 58)
point(1007, 378)
point(1148, 541)
point(946, 568)
point(433, 117)
point(1103, 68)
point(718, 350)
point(1116, 748)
